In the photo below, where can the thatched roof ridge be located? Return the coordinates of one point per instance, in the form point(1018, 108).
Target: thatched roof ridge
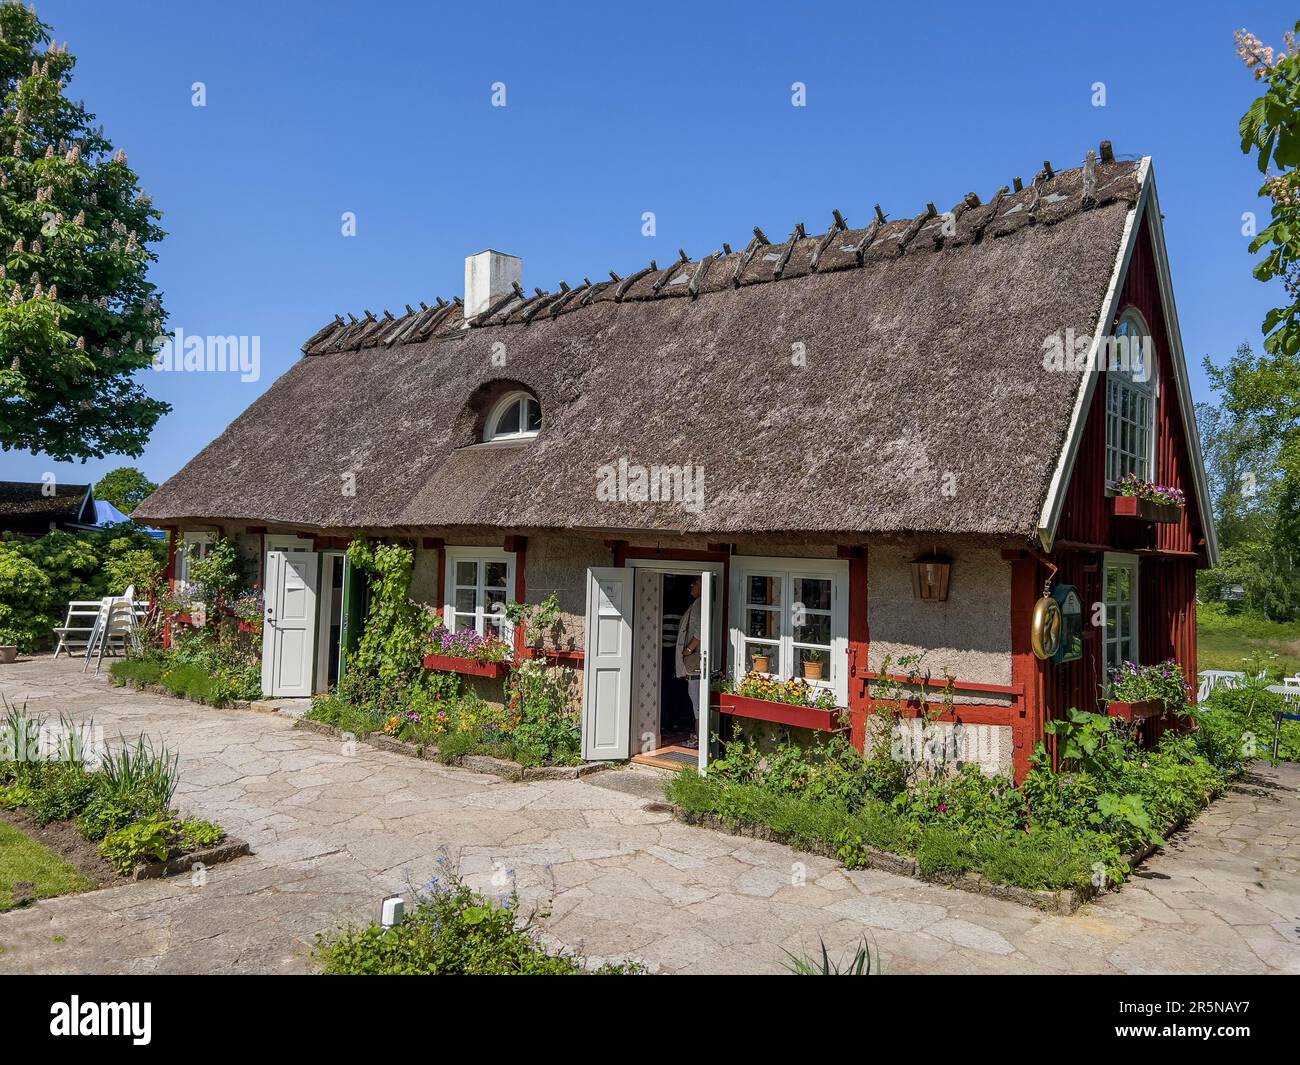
point(897, 387)
point(1047, 200)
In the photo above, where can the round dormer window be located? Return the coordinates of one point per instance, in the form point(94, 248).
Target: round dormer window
point(517, 416)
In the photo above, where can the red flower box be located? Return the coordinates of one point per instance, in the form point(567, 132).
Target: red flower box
point(781, 713)
point(469, 666)
point(1145, 510)
point(1136, 711)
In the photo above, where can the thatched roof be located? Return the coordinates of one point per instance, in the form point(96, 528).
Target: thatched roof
point(34, 499)
point(920, 403)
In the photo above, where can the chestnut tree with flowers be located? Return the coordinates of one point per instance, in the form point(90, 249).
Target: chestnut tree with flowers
point(78, 315)
point(1252, 434)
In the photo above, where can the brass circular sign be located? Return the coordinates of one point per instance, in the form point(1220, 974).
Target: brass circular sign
point(1045, 630)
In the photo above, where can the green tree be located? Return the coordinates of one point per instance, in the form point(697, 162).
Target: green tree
point(125, 487)
point(1253, 493)
point(78, 316)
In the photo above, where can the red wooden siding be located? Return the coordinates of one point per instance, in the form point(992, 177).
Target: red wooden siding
point(1169, 554)
point(1085, 517)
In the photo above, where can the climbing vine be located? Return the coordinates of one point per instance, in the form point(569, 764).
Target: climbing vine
point(389, 650)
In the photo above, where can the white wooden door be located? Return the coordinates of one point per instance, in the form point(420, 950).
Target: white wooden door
point(607, 665)
point(289, 638)
point(706, 665)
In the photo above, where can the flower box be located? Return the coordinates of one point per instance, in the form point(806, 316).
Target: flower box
point(1146, 510)
point(781, 713)
point(470, 666)
point(1138, 711)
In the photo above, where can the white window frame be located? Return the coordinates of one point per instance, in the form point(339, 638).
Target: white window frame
point(1132, 638)
point(479, 556)
point(741, 567)
point(1124, 391)
point(520, 399)
point(202, 542)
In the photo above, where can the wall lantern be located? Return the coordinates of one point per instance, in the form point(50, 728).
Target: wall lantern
point(930, 578)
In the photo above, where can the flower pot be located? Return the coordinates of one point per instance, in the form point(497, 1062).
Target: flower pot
point(1146, 510)
point(8, 653)
point(761, 664)
point(812, 670)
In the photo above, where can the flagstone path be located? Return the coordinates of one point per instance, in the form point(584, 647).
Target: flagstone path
point(334, 828)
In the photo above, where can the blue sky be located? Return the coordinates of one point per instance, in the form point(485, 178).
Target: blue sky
point(384, 109)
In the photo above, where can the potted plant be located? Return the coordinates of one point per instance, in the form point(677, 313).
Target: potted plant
point(812, 664)
point(1147, 501)
point(762, 659)
point(8, 645)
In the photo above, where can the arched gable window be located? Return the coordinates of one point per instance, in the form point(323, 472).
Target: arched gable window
point(1131, 401)
point(516, 416)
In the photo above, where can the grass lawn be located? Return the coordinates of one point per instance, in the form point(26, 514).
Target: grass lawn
point(23, 859)
point(1223, 640)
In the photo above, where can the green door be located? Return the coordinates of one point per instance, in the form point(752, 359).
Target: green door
point(354, 613)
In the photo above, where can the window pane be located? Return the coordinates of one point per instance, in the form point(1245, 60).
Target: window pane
point(495, 603)
point(467, 573)
point(763, 623)
point(462, 621)
point(494, 625)
point(534, 415)
point(813, 592)
point(816, 628)
point(466, 600)
point(509, 420)
point(762, 650)
point(494, 574)
point(812, 664)
point(765, 590)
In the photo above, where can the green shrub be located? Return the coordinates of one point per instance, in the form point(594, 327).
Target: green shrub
point(339, 712)
point(451, 931)
point(150, 838)
point(61, 793)
point(111, 809)
point(13, 796)
point(548, 729)
point(38, 577)
point(193, 833)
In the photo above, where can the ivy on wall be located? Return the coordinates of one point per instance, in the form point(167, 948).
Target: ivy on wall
point(392, 640)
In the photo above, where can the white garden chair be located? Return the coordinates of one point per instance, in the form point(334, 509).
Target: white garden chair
point(74, 633)
point(115, 623)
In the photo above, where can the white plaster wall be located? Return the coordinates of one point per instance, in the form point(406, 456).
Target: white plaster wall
point(944, 744)
point(558, 564)
point(968, 637)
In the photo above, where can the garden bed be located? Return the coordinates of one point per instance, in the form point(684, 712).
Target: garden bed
point(1059, 901)
point(478, 763)
point(259, 706)
point(66, 841)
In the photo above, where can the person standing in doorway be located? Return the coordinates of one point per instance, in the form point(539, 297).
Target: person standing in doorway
point(688, 657)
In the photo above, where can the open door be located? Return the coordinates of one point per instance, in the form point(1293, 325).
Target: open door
point(289, 635)
point(354, 609)
point(706, 665)
point(607, 665)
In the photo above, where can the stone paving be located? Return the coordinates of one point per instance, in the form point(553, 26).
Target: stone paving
point(335, 829)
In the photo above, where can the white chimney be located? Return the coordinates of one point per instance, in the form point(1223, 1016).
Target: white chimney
point(489, 275)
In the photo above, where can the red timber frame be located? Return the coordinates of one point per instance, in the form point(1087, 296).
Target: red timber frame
point(1020, 711)
point(1168, 557)
point(1168, 554)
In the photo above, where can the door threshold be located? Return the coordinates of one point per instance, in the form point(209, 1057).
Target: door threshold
point(672, 757)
